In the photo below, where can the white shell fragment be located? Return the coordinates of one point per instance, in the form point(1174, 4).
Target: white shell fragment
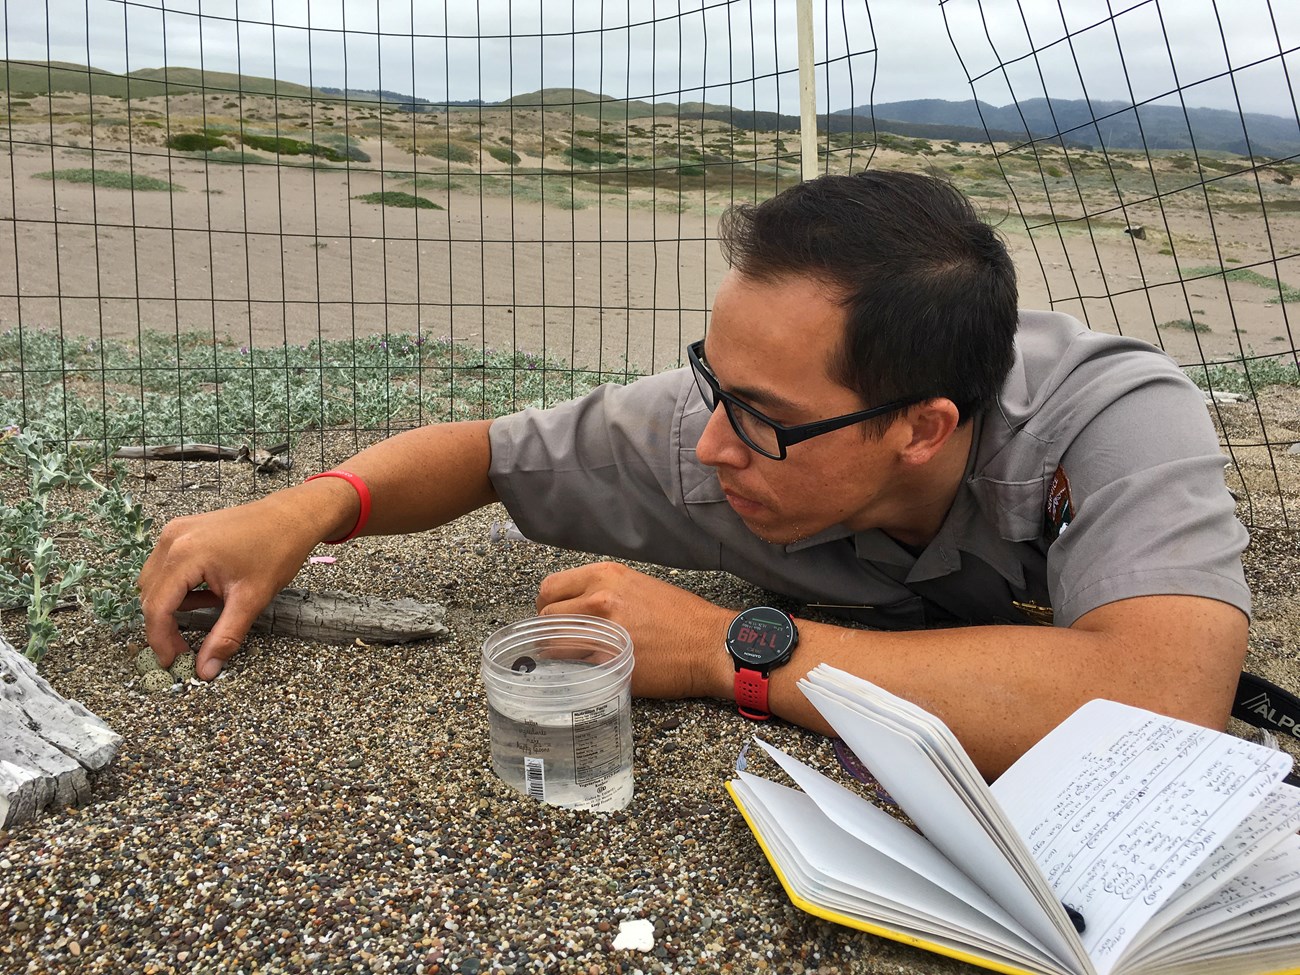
point(636, 935)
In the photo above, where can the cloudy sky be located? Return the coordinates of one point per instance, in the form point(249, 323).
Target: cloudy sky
point(1223, 55)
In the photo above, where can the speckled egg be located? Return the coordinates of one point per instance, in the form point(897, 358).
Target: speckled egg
point(182, 667)
point(146, 662)
point(157, 681)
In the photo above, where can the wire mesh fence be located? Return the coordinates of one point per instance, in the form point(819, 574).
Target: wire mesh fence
point(233, 223)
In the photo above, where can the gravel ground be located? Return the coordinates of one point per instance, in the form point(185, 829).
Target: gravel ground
point(333, 809)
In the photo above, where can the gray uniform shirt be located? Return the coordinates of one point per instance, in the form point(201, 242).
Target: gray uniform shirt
point(1110, 423)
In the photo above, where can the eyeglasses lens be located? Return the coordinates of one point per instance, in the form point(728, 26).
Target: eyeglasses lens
point(754, 431)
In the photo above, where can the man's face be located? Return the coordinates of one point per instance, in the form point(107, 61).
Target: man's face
point(771, 344)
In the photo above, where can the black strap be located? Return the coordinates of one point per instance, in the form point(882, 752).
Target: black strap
point(1261, 703)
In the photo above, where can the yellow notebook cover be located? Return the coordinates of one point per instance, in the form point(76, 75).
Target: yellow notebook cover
point(828, 915)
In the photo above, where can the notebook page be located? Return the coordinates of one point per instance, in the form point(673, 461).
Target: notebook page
point(1119, 806)
point(888, 837)
point(845, 877)
point(905, 769)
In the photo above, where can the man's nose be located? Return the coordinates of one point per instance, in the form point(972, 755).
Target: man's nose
point(719, 446)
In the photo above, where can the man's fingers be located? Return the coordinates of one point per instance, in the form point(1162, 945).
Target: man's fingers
point(576, 585)
point(199, 599)
point(227, 633)
point(160, 629)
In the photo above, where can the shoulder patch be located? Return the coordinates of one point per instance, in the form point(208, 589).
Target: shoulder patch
point(1059, 510)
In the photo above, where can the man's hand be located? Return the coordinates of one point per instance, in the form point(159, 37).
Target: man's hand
point(245, 555)
point(677, 637)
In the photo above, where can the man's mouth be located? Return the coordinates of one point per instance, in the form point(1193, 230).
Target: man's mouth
point(742, 505)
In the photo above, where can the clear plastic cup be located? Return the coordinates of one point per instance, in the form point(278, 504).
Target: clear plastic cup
point(559, 694)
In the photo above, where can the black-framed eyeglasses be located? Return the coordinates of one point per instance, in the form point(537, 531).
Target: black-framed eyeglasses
point(761, 433)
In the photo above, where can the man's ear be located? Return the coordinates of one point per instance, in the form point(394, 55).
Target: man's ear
point(927, 428)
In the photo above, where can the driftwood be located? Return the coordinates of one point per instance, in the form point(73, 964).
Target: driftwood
point(267, 460)
point(337, 617)
point(48, 745)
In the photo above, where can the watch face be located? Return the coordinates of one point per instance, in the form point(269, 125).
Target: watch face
point(761, 637)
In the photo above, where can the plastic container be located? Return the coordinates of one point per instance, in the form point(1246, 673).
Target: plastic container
point(559, 695)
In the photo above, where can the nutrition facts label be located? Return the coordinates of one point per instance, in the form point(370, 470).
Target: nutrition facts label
point(597, 744)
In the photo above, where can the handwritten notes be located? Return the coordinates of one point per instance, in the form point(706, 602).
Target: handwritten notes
point(1119, 807)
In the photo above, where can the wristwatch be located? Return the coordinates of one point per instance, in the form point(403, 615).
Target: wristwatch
point(759, 639)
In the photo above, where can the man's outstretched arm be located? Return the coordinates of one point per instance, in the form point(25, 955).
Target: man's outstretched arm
point(247, 554)
point(999, 688)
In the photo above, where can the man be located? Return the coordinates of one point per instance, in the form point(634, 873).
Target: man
point(869, 425)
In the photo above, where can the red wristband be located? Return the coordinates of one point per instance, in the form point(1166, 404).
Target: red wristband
point(363, 495)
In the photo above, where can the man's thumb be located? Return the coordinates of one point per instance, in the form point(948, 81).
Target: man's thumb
point(227, 634)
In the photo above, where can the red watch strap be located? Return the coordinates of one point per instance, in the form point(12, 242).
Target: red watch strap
point(751, 694)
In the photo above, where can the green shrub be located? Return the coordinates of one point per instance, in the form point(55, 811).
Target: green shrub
point(196, 142)
point(502, 154)
point(110, 179)
point(1280, 292)
point(450, 151)
point(283, 146)
point(396, 198)
point(592, 157)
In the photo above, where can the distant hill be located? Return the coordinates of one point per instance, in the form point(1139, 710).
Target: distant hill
point(1117, 126)
point(396, 99)
point(41, 77)
point(1120, 126)
point(606, 107)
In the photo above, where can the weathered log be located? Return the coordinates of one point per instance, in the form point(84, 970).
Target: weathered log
point(264, 460)
point(48, 745)
point(337, 617)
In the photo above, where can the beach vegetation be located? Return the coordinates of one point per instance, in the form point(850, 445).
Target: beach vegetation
point(397, 198)
point(1281, 292)
point(47, 543)
point(110, 179)
point(196, 142)
point(1186, 325)
point(594, 157)
point(1247, 375)
point(67, 410)
point(450, 151)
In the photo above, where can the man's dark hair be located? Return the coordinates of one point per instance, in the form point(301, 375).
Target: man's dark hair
point(929, 289)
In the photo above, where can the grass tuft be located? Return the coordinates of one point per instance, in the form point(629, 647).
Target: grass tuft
point(111, 179)
point(1281, 292)
point(396, 198)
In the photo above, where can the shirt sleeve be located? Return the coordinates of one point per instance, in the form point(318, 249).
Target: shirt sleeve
point(1151, 511)
point(601, 473)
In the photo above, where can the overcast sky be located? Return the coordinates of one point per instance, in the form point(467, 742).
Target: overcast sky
point(740, 52)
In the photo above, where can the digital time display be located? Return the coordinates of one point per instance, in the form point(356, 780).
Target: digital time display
point(761, 636)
